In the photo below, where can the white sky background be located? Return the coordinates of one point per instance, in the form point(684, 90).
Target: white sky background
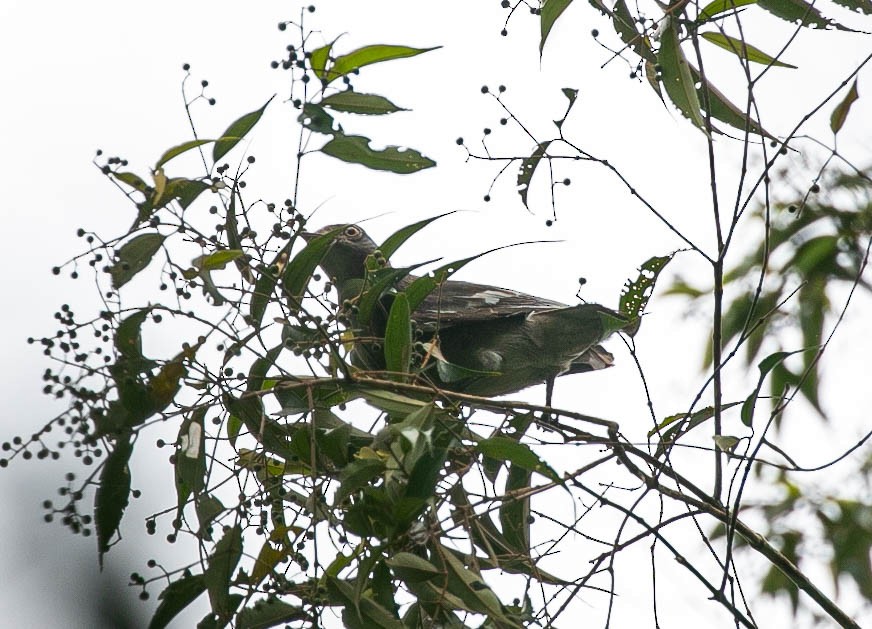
point(107, 75)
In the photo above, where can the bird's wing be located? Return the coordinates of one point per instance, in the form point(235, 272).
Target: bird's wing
point(456, 302)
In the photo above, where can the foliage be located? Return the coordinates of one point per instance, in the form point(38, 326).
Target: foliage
point(309, 482)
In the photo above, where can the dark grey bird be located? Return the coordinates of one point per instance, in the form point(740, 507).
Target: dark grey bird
point(503, 340)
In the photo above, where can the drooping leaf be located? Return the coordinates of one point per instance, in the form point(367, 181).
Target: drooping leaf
point(398, 336)
point(112, 496)
point(625, 26)
point(550, 12)
point(635, 294)
point(355, 149)
point(220, 568)
point(357, 103)
point(176, 597)
point(840, 113)
point(528, 168)
point(680, 424)
point(676, 76)
point(128, 339)
point(367, 55)
point(723, 109)
point(190, 458)
point(134, 256)
point(766, 365)
point(236, 131)
point(743, 49)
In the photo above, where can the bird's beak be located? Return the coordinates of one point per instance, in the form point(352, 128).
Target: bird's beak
point(307, 236)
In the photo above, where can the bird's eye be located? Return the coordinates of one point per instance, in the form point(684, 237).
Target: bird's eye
point(352, 232)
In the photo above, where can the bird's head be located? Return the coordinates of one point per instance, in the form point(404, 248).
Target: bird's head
point(346, 258)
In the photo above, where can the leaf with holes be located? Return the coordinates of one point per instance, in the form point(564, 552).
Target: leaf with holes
point(355, 149)
point(528, 169)
point(676, 76)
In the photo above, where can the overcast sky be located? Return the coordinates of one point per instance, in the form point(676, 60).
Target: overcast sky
point(81, 76)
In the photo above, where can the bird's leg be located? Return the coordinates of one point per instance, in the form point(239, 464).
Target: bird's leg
point(549, 393)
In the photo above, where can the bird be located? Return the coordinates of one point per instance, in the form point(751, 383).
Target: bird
point(487, 341)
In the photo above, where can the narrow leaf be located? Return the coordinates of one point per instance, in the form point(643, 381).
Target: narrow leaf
point(357, 103)
point(550, 12)
point(799, 12)
point(717, 7)
point(528, 168)
point(396, 240)
point(176, 597)
point(236, 131)
point(299, 271)
point(184, 147)
point(220, 568)
point(112, 495)
point(318, 60)
point(676, 76)
point(368, 55)
point(398, 336)
point(356, 150)
point(743, 49)
point(840, 113)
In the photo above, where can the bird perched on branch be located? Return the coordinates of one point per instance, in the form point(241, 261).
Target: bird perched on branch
point(484, 340)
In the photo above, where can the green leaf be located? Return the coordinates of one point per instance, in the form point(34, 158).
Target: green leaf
point(726, 443)
point(625, 26)
point(208, 508)
point(269, 613)
point(799, 12)
point(236, 131)
point(112, 496)
point(314, 118)
point(134, 256)
point(318, 60)
point(218, 259)
point(185, 191)
point(724, 110)
point(516, 453)
point(857, 6)
point(743, 49)
point(190, 458)
point(398, 336)
point(128, 340)
point(184, 147)
point(412, 568)
point(176, 597)
point(358, 474)
point(220, 568)
point(265, 285)
point(234, 425)
point(388, 401)
point(355, 149)
point(635, 294)
point(528, 168)
point(132, 180)
point(676, 76)
point(693, 420)
point(396, 240)
point(367, 55)
point(473, 591)
point(551, 10)
point(840, 113)
point(299, 271)
point(766, 365)
point(357, 103)
point(717, 7)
